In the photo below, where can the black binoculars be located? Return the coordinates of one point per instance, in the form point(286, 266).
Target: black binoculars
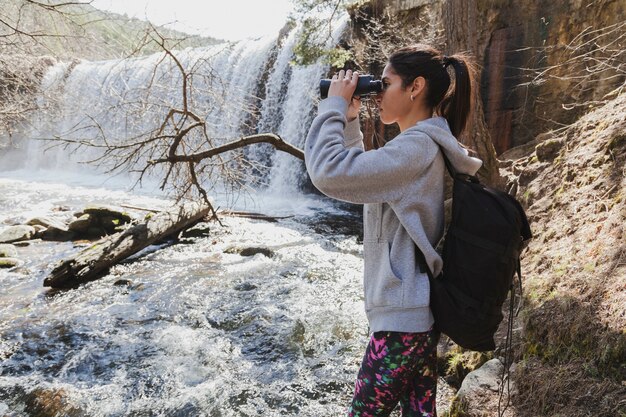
point(366, 86)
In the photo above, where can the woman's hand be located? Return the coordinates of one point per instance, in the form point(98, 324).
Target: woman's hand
point(343, 84)
point(353, 108)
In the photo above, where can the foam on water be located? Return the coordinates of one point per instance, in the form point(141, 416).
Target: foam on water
point(201, 330)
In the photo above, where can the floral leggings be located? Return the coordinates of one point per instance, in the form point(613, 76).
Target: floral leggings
point(397, 367)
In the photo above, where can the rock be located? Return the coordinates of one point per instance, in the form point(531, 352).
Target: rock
point(548, 149)
point(81, 224)
point(109, 223)
point(485, 377)
point(105, 211)
point(57, 235)
point(9, 262)
point(50, 402)
point(123, 283)
point(24, 243)
point(39, 229)
point(196, 231)
point(253, 251)
point(47, 222)
point(17, 233)
point(7, 251)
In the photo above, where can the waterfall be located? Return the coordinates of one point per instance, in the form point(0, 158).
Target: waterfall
point(238, 89)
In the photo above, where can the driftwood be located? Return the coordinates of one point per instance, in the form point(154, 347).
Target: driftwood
point(92, 262)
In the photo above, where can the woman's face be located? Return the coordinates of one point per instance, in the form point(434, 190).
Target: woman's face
point(394, 102)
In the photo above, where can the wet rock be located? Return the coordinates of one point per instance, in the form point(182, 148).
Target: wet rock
point(39, 229)
point(17, 233)
point(24, 243)
point(47, 222)
point(107, 212)
point(9, 263)
point(81, 224)
point(123, 283)
point(8, 251)
point(246, 286)
point(196, 231)
point(110, 223)
point(50, 402)
point(253, 251)
point(57, 235)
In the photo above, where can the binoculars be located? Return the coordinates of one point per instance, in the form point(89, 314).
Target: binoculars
point(366, 86)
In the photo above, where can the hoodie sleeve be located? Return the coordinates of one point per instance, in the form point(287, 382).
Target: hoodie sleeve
point(352, 175)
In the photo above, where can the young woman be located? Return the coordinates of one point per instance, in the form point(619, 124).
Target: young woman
point(402, 187)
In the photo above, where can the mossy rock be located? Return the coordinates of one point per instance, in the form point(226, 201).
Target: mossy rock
point(9, 263)
point(8, 251)
point(107, 212)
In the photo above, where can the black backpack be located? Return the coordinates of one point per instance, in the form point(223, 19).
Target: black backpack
point(481, 254)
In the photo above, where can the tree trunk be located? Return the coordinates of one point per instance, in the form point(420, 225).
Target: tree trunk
point(92, 262)
point(460, 19)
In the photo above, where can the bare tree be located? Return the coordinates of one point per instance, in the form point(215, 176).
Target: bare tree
point(176, 146)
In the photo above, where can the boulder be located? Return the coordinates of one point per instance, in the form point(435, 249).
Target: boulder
point(81, 224)
point(107, 212)
point(7, 251)
point(487, 377)
point(9, 262)
point(39, 229)
point(47, 222)
point(253, 251)
point(16, 233)
point(57, 235)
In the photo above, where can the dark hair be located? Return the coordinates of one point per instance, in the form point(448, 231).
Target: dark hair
point(455, 104)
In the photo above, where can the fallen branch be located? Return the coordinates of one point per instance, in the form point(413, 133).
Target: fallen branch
point(92, 262)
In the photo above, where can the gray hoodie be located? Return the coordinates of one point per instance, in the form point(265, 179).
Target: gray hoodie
point(402, 187)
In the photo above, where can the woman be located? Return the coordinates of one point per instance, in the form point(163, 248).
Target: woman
point(402, 187)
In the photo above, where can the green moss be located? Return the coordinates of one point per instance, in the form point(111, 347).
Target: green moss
point(458, 408)
point(460, 362)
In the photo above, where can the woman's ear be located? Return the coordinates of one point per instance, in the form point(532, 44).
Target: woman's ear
point(418, 86)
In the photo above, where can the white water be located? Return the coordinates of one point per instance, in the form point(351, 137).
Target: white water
point(202, 330)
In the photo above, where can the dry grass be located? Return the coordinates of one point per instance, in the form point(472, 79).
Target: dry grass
point(573, 348)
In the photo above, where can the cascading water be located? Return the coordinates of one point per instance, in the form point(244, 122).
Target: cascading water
point(196, 329)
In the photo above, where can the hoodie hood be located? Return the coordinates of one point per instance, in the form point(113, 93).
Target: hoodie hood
point(438, 130)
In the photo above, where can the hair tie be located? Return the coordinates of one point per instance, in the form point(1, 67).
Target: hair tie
point(446, 61)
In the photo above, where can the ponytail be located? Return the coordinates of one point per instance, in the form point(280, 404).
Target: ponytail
point(449, 97)
point(456, 106)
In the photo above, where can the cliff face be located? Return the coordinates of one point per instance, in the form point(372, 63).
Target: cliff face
point(538, 60)
point(538, 57)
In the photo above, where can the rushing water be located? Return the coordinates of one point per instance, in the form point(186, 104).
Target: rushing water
point(199, 330)
point(195, 328)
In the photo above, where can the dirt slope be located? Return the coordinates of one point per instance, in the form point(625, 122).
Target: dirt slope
point(572, 340)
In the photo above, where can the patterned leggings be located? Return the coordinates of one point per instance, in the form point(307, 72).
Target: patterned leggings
point(397, 367)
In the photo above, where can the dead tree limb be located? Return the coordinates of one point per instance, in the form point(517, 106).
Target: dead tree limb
point(270, 138)
point(93, 261)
